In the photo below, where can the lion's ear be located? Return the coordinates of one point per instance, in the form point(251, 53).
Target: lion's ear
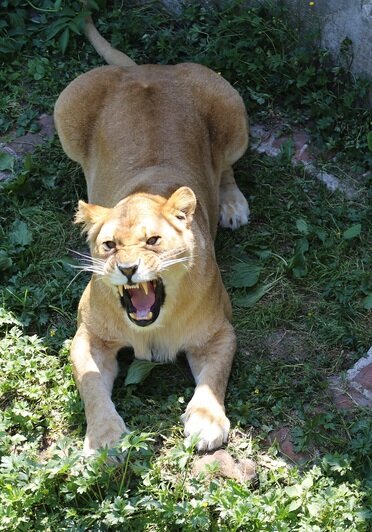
point(88, 215)
point(182, 204)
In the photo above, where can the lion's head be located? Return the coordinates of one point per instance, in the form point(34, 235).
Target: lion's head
point(139, 246)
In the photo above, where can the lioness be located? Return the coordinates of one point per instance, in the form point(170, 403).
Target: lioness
point(157, 144)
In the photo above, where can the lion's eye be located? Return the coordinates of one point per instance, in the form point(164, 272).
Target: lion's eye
point(153, 240)
point(108, 245)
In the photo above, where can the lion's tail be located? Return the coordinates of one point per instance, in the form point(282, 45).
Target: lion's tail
point(103, 47)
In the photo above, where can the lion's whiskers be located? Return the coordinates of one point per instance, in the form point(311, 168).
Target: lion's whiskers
point(88, 257)
point(172, 252)
point(89, 263)
point(88, 268)
point(73, 279)
point(97, 266)
point(167, 263)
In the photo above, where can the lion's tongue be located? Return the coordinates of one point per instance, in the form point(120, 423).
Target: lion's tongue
point(140, 300)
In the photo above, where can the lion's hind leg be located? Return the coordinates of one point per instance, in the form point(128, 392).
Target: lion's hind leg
point(234, 209)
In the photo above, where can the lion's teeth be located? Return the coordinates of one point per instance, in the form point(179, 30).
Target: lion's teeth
point(121, 290)
point(145, 287)
point(133, 315)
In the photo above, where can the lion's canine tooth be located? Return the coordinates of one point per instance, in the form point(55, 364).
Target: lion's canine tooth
point(149, 316)
point(133, 315)
point(145, 287)
point(121, 290)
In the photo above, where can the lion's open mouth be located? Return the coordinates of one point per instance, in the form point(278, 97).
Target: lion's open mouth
point(143, 301)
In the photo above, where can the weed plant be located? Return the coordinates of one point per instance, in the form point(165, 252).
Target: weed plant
point(298, 276)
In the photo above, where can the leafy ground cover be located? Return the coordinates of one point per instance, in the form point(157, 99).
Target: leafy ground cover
point(297, 276)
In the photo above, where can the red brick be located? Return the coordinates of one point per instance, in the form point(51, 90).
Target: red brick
point(300, 138)
point(278, 141)
point(283, 437)
point(364, 377)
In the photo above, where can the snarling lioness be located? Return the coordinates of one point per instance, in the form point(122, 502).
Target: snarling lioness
point(157, 144)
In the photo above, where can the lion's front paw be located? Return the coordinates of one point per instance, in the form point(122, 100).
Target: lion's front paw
point(212, 428)
point(234, 209)
point(104, 433)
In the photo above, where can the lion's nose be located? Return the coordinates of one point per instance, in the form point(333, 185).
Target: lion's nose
point(128, 271)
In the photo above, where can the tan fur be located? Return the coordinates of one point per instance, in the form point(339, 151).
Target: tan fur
point(156, 144)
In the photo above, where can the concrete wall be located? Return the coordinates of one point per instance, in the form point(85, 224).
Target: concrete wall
point(345, 28)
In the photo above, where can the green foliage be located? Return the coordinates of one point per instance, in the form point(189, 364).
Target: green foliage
point(251, 297)
point(31, 375)
point(33, 244)
point(13, 17)
point(245, 274)
point(6, 161)
point(298, 276)
point(319, 250)
point(352, 232)
point(138, 371)
point(51, 20)
point(369, 140)
point(298, 262)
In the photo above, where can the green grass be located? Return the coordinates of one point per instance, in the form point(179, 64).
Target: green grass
point(298, 279)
